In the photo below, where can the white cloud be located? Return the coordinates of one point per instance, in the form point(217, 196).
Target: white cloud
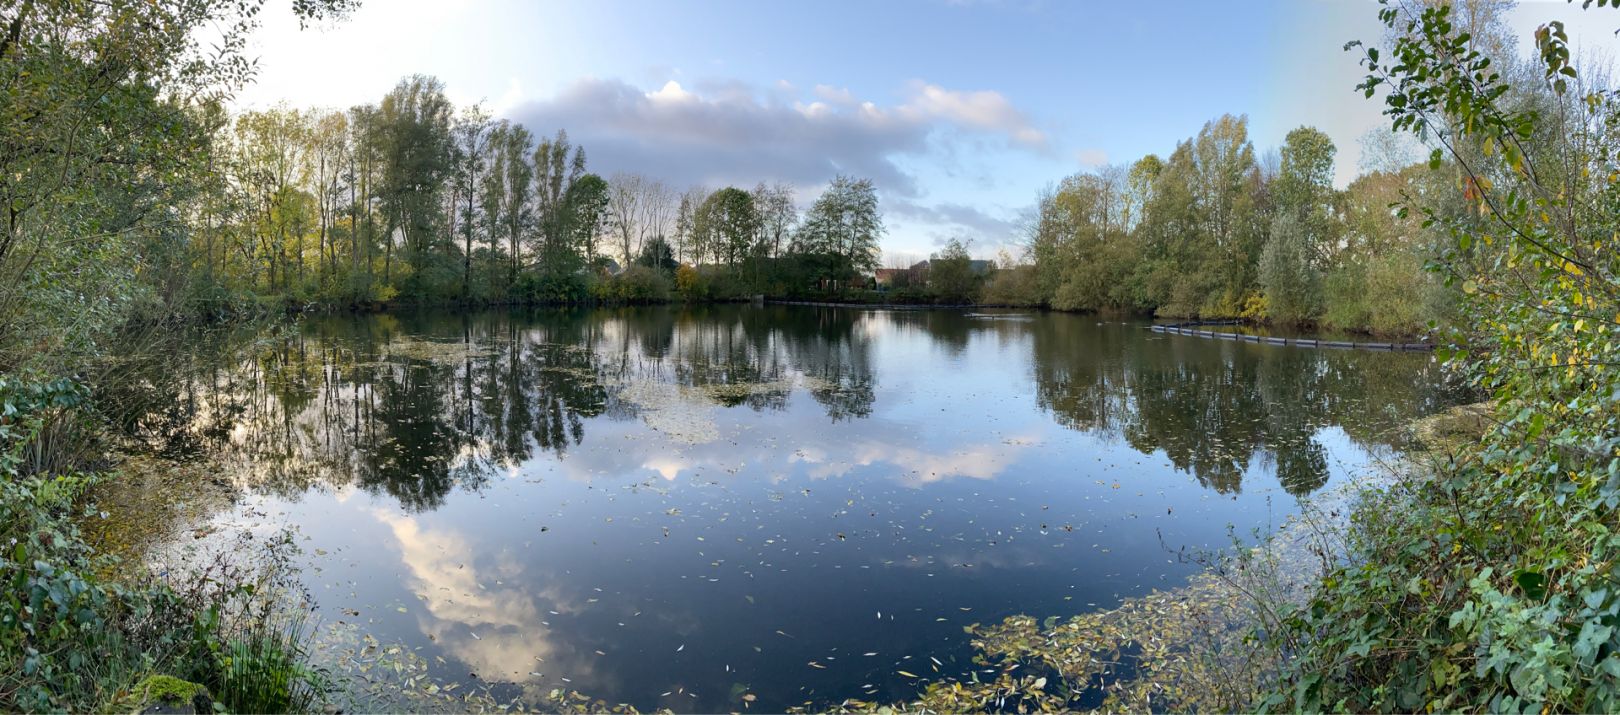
point(725, 137)
point(725, 132)
point(671, 92)
point(1091, 158)
point(992, 229)
point(836, 95)
point(983, 109)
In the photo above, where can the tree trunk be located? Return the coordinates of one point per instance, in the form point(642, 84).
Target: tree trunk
point(466, 258)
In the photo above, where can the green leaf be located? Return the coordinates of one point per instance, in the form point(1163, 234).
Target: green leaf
point(1532, 583)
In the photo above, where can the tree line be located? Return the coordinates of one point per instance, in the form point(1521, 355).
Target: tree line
point(411, 199)
point(1215, 231)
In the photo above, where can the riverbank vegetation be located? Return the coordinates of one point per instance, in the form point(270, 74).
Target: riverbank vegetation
point(101, 113)
point(179, 207)
point(79, 631)
point(410, 200)
point(1488, 585)
point(134, 200)
point(1216, 230)
point(1481, 578)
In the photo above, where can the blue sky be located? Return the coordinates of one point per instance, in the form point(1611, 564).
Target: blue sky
point(959, 111)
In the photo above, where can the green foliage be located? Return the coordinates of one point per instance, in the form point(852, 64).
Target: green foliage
point(1205, 233)
point(725, 225)
point(950, 274)
point(1388, 294)
point(636, 284)
point(552, 288)
point(1010, 284)
point(584, 211)
point(260, 667)
point(842, 228)
point(657, 254)
point(70, 639)
point(174, 207)
point(705, 283)
point(105, 114)
point(1292, 287)
point(1488, 584)
point(34, 413)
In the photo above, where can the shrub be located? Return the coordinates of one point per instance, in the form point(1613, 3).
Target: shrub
point(1387, 294)
point(691, 284)
point(1488, 584)
point(636, 284)
point(557, 287)
point(72, 639)
point(700, 283)
point(1013, 285)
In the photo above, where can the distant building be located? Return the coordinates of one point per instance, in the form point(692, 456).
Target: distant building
point(602, 266)
point(884, 277)
point(976, 266)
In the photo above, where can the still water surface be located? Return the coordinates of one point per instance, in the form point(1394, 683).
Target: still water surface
point(674, 507)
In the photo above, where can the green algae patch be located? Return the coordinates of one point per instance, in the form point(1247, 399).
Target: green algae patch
point(1188, 649)
point(146, 502)
point(1453, 429)
point(435, 351)
point(1197, 648)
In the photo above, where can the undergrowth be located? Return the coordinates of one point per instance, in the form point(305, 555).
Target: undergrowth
point(1489, 584)
point(73, 639)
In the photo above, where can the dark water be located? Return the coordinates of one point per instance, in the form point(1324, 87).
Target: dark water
point(672, 507)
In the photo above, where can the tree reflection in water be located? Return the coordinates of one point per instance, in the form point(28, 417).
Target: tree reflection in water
point(416, 405)
point(1214, 407)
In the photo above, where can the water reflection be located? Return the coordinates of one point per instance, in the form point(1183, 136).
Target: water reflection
point(414, 406)
point(1215, 407)
point(640, 502)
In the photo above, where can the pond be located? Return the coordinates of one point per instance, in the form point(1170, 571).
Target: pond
point(711, 507)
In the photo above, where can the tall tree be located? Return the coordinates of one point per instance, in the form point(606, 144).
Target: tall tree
point(557, 165)
point(778, 216)
point(415, 119)
point(329, 153)
point(585, 208)
point(727, 223)
point(1304, 187)
point(950, 273)
point(1078, 239)
point(472, 138)
point(271, 145)
point(1301, 231)
point(365, 157)
point(1226, 181)
point(688, 245)
point(639, 209)
point(100, 143)
point(844, 224)
point(508, 186)
point(1293, 286)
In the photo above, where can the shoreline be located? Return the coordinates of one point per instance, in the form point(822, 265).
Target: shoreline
point(1190, 330)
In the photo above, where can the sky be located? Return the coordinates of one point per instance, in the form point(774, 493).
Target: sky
point(960, 111)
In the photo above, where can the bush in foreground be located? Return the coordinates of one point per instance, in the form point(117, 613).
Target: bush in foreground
point(73, 638)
